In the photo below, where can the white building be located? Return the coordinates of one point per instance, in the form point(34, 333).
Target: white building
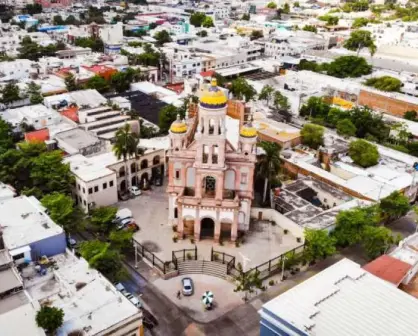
point(343, 300)
point(15, 70)
point(100, 178)
point(38, 115)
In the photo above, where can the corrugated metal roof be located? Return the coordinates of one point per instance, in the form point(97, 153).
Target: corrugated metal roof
point(345, 300)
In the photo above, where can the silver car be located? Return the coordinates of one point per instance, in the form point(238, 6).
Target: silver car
point(187, 286)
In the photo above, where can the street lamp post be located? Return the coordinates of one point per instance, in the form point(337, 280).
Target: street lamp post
point(283, 261)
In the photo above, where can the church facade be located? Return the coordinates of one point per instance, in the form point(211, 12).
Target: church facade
point(210, 181)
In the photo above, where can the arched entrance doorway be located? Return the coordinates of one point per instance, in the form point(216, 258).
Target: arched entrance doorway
point(207, 228)
point(134, 180)
point(144, 181)
point(123, 186)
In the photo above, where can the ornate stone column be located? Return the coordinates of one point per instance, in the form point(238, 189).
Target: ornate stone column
point(217, 232)
point(219, 186)
point(197, 225)
point(234, 227)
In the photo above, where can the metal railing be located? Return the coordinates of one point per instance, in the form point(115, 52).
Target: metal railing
point(264, 270)
point(163, 266)
point(184, 255)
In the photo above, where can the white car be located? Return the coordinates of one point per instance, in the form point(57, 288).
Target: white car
point(135, 191)
point(121, 224)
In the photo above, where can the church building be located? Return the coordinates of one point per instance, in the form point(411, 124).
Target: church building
point(210, 176)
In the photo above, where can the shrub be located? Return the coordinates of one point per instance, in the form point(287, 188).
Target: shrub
point(189, 256)
point(363, 153)
point(174, 228)
point(285, 231)
point(175, 238)
point(192, 240)
point(216, 256)
point(271, 282)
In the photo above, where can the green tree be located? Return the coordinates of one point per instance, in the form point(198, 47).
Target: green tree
point(110, 265)
point(346, 128)
point(71, 83)
point(101, 218)
point(348, 66)
point(266, 93)
point(197, 18)
point(241, 89)
point(315, 107)
point(410, 115)
point(350, 224)
point(202, 33)
point(93, 248)
point(363, 153)
point(6, 137)
point(162, 37)
point(312, 135)
point(48, 174)
point(247, 281)
point(245, 17)
point(329, 19)
point(256, 34)
point(318, 244)
point(120, 82)
point(33, 8)
point(167, 116)
point(310, 28)
point(61, 210)
point(57, 20)
point(360, 39)
point(71, 20)
point(360, 22)
point(281, 104)
point(121, 239)
point(272, 5)
point(50, 319)
point(377, 240)
point(98, 83)
point(96, 44)
point(35, 95)
point(125, 147)
point(207, 22)
point(268, 164)
point(9, 94)
point(296, 4)
point(384, 83)
point(286, 8)
point(394, 206)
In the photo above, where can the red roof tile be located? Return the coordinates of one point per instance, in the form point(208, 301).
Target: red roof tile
point(209, 73)
point(71, 113)
point(37, 136)
point(388, 268)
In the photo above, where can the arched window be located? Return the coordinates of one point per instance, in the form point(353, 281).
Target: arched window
point(133, 167)
point(144, 164)
point(122, 171)
point(156, 160)
point(210, 186)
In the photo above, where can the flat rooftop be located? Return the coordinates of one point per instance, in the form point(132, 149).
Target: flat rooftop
point(344, 300)
point(88, 98)
point(73, 140)
point(20, 321)
point(9, 279)
point(91, 168)
point(24, 221)
point(88, 299)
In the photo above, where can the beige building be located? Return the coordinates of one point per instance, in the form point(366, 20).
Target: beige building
point(101, 178)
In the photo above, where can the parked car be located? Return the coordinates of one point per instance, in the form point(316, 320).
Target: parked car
point(124, 222)
point(72, 243)
point(132, 226)
point(123, 214)
point(123, 196)
point(120, 287)
point(187, 286)
point(134, 300)
point(135, 191)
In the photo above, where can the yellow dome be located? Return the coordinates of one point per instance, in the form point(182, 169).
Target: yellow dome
point(214, 97)
point(178, 126)
point(248, 131)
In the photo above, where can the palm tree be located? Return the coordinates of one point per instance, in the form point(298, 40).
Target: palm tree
point(268, 164)
point(126, 146)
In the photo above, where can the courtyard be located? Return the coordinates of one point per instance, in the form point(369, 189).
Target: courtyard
point(225, 299)
point(262, 242)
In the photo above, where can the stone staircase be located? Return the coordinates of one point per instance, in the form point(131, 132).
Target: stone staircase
point(202, 267)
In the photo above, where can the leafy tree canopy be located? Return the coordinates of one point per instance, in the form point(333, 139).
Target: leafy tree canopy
point(197, 19)
point(348, 66)
point(162, 37)
point(312, 135)
point(318, 244)
point(394, 206)
point(363, 153)
point(346, 127)
point(272, 5)
point(377, 240)
point(410, 115)
point(310, 28)
point(360, 39)
point(384, 83)
point(50, 318)
point(167, 115)
point(98, 83)
point(241, 89)
point(101, 218)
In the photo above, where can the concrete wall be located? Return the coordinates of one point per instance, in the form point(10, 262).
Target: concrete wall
point(385, 103)
point(49, 246)
point(279, 219)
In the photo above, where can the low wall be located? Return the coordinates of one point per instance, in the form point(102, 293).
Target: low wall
point(279, 219)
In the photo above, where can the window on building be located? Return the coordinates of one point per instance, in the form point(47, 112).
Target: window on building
point(80, 199)
point(105, 185)
point(244, 178)
point(177, 174)
point(84, 191)
point(96, 188)
point(19, 256)
point(110, 184)
point(84, 202)
point(90, 190)
point(78, 186)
